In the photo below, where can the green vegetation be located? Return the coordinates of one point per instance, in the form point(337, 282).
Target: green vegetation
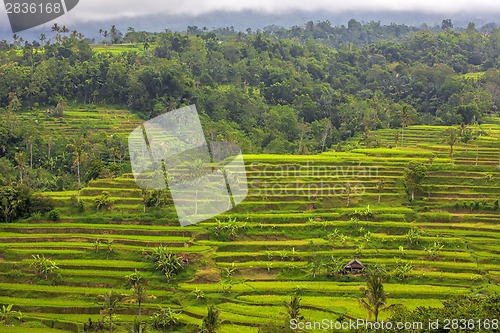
point(337, 138)
point(211, 322)
point(375, 297)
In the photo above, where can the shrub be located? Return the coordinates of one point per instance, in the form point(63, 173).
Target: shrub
point(199, 294)
point(80, 206)
point(6, 314)
point(402, 269)
point(362, 213)
point(156, 199)
point(102, 201)
point(165, 319)
point(18, 202)
point(166, 262)
point(43, 266)
point(434, 250)
point(413, 236)
point(40, 204)
point(54, 215)
point(228, 230)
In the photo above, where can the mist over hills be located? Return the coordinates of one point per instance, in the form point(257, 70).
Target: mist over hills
point(242, 20)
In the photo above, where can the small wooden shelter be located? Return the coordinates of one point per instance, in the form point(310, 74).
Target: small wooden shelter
point(354, 266)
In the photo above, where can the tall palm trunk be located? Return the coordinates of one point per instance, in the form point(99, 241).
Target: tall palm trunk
point(402, 135)
point(78, 174)
point(31, 156)
point(139, 317)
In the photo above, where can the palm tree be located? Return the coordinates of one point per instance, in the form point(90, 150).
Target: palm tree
point(78, 146)
point(21, 164)
point(293, 307)
point(15, 37)
point(104, 34)
point(211, 322)
point(114, 34)
point(375, 296)
point(145, 194)
point(304, 130)
point(451, 139)
point(111, 301)
point(138, 287)
point(55, 28)
point(380, 188)
point(348, 192)
point(29, 143)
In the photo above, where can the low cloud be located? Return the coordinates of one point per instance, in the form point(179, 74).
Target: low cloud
point(99, 10)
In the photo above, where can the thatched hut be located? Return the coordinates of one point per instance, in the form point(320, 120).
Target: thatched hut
point(354, 266)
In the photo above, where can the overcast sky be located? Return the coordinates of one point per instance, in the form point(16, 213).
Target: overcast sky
point(89, 11)
point(99, 9)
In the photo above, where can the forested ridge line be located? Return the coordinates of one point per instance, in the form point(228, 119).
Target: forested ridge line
point(272, 91)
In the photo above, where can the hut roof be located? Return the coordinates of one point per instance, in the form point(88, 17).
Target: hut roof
point(354, 263)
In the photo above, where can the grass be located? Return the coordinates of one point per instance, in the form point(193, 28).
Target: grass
point(328, 287)
point(23, 329)
point(284, 232)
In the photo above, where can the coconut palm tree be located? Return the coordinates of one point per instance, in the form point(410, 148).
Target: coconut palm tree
point(21, 164)
point(42, 38)
point(380, 188)
point(111, 301)
point(138, 286)
point(145, 194)
point(451, 139)
point(114, 34)
point(375, 298)
point(78, 146)
point(348, 192)
point(55, 28)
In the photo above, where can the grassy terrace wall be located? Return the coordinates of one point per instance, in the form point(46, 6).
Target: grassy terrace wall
point(294, 204)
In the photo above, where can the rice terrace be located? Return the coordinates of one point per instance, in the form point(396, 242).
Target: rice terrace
point(373, 175)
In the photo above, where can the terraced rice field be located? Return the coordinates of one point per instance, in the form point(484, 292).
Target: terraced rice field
point(89, 118)
point(294, 204)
